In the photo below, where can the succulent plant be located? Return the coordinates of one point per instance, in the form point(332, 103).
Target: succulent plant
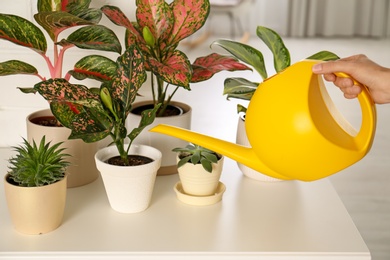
point(35, 166)
point(196, 154)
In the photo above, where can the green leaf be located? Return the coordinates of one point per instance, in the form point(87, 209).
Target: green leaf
point(276, 45)
point(13, 67)
point(206, 165)
point(246, 54)
point(49, 5)
point(94, 37)
point(147, 118)
point(22, 32)
point(239, 88)
point(241, 108)
point(94, 67)
point(324, 55)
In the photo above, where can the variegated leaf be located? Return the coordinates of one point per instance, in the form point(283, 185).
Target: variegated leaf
point(324, 55)
point(22, 32)
point(276, 45)
point(129, 77)
point(158, 17)
point(13, 67)
point(55, 22)
point(95, 37)
point(64, 112)
point(246, 54)
point(190, 16)
point(51, 5)
point(61, 90)
point(205, 67)
point(92, 15)
point(175, 70)
point(239, 88)
point(94, 67)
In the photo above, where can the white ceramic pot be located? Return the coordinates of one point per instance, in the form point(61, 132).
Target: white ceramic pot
point(163, 143)
point(82, 169)
point(129, 188)
point(197, 181)
point(242, 139)
point(36, 210)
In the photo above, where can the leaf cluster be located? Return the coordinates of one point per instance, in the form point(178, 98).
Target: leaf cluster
point(35, 166)
point(241, 88)
point(196, 154)
point(158, 30)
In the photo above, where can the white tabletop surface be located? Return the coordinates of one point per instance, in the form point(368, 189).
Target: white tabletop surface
point(254, 220)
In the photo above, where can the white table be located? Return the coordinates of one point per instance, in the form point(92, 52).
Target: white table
point(254, 220)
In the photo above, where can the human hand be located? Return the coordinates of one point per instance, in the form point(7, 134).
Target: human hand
point(363, 70)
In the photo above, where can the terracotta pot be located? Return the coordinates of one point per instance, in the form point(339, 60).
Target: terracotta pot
point(242, 139)
point(163, 143)
point(197, 181)
point(129, 188)
point(82, 170)
point(36, 210)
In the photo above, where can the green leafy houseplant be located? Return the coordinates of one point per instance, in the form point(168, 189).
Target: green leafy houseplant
point(196, 154)
point(93, 114)
point(37, 165)
point(56, 16)
point(241, 88)
point(159, 29)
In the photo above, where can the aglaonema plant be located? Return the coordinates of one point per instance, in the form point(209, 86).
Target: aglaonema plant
point(241, 88)
point(54, 17)
point(95, 114)
point(159, 29)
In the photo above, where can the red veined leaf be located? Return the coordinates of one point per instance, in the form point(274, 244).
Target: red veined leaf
point(94, 67)
point(13, 67)
point(205, 67)
point(175, 70)
point(190, 16)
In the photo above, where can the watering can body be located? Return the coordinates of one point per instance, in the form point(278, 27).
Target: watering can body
point(294, 129)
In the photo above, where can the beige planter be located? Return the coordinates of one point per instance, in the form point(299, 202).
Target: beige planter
point(82, 170)
point(197, 181)
point(129, 188)
point(242, 139)
point(163, 143)
point(36, 210)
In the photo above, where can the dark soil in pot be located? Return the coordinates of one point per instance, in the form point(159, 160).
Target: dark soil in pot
point(46, 121)
point(134, 160)
point(169, 111)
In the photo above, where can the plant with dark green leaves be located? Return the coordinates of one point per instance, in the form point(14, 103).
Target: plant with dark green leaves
point(56, 16)
point(159, 29)
point(35, 166)
point(241, 88)
point(196, 154)
point(93, 114)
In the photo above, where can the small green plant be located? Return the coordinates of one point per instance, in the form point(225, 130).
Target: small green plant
point(35, 166)
point(241, 88)
point(197, 155)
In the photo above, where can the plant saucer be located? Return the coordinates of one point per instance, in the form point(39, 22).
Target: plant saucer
point(199, 200)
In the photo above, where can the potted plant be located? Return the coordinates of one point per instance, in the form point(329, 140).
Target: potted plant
point(54, 17)
point(158, 31)
point(35, 187)
point(199, 172)
point(94, 114)
point(241, 88)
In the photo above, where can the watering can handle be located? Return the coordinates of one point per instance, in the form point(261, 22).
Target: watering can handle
point(368, 125)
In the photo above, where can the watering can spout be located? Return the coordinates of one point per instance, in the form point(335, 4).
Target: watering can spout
point(239, 153)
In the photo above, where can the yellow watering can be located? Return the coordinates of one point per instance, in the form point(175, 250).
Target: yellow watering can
point(294, 128)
